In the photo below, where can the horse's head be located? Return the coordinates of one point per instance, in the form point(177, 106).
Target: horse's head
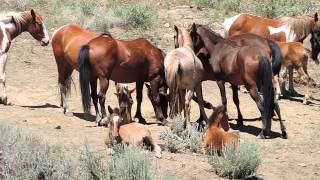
point(315, 39)
point(198, 44)
point(125, 98)
point(115, 121)
point(164, 99)
point(182, 38)
point(36, 27)
point(219, 118)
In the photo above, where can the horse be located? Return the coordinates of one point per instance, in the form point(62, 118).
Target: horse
point(216, 135)
point(12, 24)
point(294, 55)
point(66, 43)
point(125, 100)
point(183, 71)
point(122, 61)
point(132, 134)
point(284, 29)
point(239, 65)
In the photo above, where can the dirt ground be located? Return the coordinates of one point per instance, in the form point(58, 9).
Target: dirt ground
point(32, 87)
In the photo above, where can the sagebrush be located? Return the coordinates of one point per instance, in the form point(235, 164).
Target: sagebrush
point(236, 162)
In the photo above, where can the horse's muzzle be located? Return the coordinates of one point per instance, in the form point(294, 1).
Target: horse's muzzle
point(44, 43)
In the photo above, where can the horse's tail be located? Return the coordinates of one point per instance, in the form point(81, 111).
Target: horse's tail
point(265, 74)
point(276, 57)
point(84, 76)
point(173, 79)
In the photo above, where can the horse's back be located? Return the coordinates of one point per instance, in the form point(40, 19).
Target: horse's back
point(134, 133)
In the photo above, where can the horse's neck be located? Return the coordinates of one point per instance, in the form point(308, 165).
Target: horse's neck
point(215, 124)
point(301, 26)
point(13, 31)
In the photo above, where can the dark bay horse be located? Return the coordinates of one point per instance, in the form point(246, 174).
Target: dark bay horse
point(124, 62)
point(66, 43)
point(12, 25)
point(240, 65)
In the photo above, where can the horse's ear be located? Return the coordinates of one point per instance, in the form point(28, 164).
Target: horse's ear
point(33, 14)
point(316, 17)
point(132, 90)
point(110, 109)
point(193, 28)
point(176, 29)
point(12, 20)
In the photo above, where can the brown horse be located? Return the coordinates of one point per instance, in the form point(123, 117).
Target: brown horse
point(294, 55)
point(66, 43)
point(184, 71)
point(124, 99)
point(216, 136)
point(239, 65)
point(12, 25)
point(124, 62)
point(132, 134)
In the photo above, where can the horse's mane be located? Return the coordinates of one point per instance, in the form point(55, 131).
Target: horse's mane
point(215, 113)
point(301, 25)
point(20, 18)
point(186, 37)
point(213, 36)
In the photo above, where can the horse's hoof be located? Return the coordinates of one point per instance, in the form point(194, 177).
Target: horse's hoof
point(162, 123)
point(68, 114)
point(240, 124)
point(5, 101)
point(103, 122)
point(305, 102)
point(284, 135)
point(141, 120)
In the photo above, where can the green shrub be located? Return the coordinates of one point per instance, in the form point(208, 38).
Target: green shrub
point(87, 7)
point(278, 8)
point(204, 3)
point(131, 163)
point(138, 15)
point(240, 162)
point(178, 138)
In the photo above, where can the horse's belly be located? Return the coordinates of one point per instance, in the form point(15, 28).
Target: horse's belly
point(235, 79)
point(125, 75)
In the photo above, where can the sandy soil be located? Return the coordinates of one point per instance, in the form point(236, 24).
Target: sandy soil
point(32, 87)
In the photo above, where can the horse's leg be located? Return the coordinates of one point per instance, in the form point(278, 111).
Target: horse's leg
point(222, 92)
point(201, 102)
point(283, 78)
point(276, 85)
point(65, 70)
point(94, 96)
point(104, 85)
point(154, 83)
point(3, 95)
point(139, 95)
point(282, 126)
point(256, 97)
point(236, 102)
point(187, 106)
point(291, 89)
point(302, 70)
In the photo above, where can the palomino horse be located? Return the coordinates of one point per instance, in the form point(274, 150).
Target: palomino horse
point(125, 100)
point(184, 71)
point(12, 25)
point(132, 134)
point(123, 62)
point(285, 29)
point(216, 136)
point(240, 65)
point(66, 43)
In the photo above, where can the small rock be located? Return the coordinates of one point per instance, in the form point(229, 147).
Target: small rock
point(183, 165)
point(302, 165)
point(58, 127)
point(166, 25)
point(24, 121)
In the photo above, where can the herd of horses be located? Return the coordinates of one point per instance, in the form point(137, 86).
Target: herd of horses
point(251, 54)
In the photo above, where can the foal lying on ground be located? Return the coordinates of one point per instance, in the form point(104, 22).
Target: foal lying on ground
point(216, 136)
point(132, 134)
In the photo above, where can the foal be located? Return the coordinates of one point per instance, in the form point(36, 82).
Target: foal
point(216, 136)
point(125, 100)
point(183, 72)
point(132, 134)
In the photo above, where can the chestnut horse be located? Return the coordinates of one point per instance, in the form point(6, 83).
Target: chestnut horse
point(216, 135)
point(66, 43)
point(184, 71)
point(240, 65)
point(132, 134)
point(12, 25)
point(123, 62)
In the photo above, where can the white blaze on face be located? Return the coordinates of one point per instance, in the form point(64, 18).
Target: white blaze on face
point(228, 23)
point(290, 35)
point(116, 122)
point(5, 40)
point(46, 37)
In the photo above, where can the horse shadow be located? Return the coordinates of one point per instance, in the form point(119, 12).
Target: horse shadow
point(253, 130)
point(85, 116)
point(46, 105)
